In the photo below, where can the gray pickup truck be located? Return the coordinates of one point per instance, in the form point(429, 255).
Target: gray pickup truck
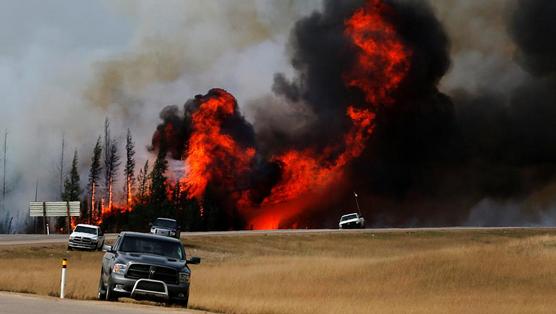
point(166, 227)
point(146, 266)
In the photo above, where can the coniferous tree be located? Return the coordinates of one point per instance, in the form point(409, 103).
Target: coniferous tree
point(72, 188)
point(143, 183)
point(111, 164)
point(214, 217)
point(94, 176)
point(114, 163)
point(158, 178)
point(129, 169)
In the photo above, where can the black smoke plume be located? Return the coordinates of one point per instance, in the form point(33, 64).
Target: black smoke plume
point(432, 157)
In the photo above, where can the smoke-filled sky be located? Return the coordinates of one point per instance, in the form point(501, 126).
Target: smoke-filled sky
point(66, 65)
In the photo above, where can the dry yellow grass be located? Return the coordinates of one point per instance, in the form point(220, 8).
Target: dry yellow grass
point(468, 271)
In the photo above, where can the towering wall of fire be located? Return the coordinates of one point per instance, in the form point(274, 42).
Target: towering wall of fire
point(367, 72)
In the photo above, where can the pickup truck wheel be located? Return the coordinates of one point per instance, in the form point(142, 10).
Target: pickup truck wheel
point(70, 248)
point(101, 289)
point(110, 294)
point(183, 303)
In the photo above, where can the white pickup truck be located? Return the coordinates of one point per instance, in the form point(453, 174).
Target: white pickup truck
point(87, 237)
point(352, 221)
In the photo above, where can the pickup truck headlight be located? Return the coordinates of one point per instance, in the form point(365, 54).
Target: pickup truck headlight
point(119, 269)
point(184, 278)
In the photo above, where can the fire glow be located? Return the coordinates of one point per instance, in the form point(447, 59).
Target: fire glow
point(380, 64)
point(222, 159)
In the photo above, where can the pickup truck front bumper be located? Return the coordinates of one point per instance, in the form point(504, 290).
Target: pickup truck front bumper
point(146, 288)
point(80, 244)
point(351, 225)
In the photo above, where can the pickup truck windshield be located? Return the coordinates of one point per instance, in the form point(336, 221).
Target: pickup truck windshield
point(169, 249)
point(165, 223)
point(349, 217)
point(84, 229)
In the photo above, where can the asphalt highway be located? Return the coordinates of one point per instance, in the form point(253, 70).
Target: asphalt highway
point(15, 303)
point(27, 239)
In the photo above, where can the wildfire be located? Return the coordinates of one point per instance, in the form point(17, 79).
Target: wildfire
point(129, 195)
point(213, 155)
point(306, 173)
point(381, 64)
point(73, 223)
point(382, 59)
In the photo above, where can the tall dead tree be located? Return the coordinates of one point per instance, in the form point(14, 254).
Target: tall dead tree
point(94, 176)
point(129, 169)
point(111, 164)
point(62, 165)
point(4, 170)
point(107, 171)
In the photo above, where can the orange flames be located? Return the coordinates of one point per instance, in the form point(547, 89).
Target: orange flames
point(308, 174)
point(382, 60)
point(212, 154)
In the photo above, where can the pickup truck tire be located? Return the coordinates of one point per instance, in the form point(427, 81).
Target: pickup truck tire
point(101, 289)
point(186, 301)
point(110, 294)
point(182, 303)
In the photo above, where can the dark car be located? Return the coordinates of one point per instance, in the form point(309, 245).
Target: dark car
point(166, 227)
point(146, 266)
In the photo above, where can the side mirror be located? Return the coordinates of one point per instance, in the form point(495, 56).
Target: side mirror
point(107, 248)
point(150, 224)
point(194, 260)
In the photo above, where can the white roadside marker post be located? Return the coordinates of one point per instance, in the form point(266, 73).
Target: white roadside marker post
point(63, 282)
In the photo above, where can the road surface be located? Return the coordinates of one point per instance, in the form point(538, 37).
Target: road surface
point(26, 239)
point(15, 303)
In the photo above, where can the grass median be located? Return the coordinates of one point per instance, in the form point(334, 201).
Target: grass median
point(463, 271)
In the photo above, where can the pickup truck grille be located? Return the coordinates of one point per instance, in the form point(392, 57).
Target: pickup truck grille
point(142, 271)
point(81, 240)
point(162, 232)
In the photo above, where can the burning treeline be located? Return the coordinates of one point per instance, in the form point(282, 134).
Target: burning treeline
point(366, 81)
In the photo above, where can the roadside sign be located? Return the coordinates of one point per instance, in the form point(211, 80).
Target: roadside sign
point(55, 209)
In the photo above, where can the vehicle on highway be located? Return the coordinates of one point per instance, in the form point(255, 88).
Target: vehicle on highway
point(166, 227)
point(146, 266)
point(352, 221)
point(87, 237)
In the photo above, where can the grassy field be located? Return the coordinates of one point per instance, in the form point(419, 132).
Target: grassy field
point(463, 271)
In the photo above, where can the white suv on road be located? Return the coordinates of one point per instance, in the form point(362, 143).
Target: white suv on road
point(352, 221)
point(88, 237)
